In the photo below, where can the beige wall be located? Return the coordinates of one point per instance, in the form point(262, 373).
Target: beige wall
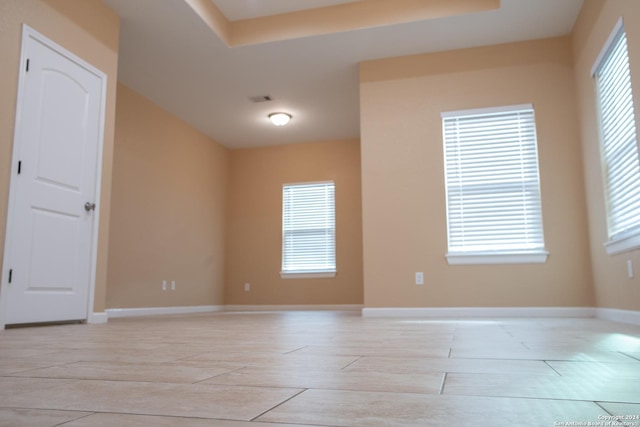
point(168, 210)
point(176, 193)
point(88, 29)
point(404, 219)
point(612, 286)
point(254, 243)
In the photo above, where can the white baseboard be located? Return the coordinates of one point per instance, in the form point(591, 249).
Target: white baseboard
point(156, 311)
point(468, 312)
point(616, 315)
point(301, 307)
point(97, 318)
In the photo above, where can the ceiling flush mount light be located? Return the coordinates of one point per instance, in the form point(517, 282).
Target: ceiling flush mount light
point(279, 119)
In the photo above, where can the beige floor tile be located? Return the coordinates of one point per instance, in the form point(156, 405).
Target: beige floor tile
point(35, 344)
point(15, 353)
point(381, 350)
point(393, 340)
point(587, 388)
point(244, 358)
point(603, 342)
point(622, 410)
point(333, 379)
point(10, 366)
point(302, 360)
point(552, 354)
point(37, 418)
point(120, 420)
point(200, 401)
point(504, 347)
point(224, 344)
point(206, 364)
point(551, 340)
point(345, 408)
point(118, 371)
point(632, 354)
point(112, 355)
point(423, 365)
point(275, 360)
point(12, 387)
point(616, 342)
point(605, 371)
point(280, 354)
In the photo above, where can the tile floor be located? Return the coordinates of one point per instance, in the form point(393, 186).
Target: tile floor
point(320, 369)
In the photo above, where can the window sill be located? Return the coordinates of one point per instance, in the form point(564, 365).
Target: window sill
point(622, 244)
point(319, 275)
point(462, 258)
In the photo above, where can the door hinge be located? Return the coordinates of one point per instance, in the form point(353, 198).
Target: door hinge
point(10, 274)
point(19, 166)
point(27, 65)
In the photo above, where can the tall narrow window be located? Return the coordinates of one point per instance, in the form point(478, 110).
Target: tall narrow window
point(308, 230)
point(619, 144)
point(494, 212)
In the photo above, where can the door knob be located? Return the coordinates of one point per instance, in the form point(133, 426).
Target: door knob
point(89, 206)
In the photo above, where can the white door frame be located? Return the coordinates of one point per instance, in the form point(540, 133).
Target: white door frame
point(27, 33)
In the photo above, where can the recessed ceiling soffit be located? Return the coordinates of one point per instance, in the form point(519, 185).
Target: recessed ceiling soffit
point(331, 19)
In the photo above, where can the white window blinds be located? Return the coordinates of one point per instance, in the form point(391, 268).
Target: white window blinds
point(619, 146)
point(492, 182)
point(308, 228)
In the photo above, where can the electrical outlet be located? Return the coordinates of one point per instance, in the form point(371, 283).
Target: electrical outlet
point(630, 268)
point(164, 285)
point(173, 285)
point(247, 287)
point(419, 278)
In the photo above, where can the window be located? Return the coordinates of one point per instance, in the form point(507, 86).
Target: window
point(493, 187)
point(308, 230)
point(619, 144)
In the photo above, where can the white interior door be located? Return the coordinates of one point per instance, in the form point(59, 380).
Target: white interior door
point(49, 251)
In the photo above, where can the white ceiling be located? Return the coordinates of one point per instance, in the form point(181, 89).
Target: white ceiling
point(170, 56)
